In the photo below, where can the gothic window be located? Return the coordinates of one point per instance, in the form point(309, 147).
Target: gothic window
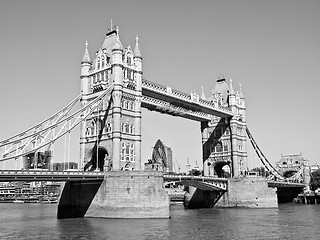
point(227, 131)
point(124, 127)
point(125, 73)
point(106, 75)
point(225, 148)
point(98, 63)
point(109, 127)
point(123, 151)
point(127, 152)
point(127, 126)
point(132, 153)
point(129, 60)
point(219, 147)
point(129, 105)
point(102, 62)
point(108, 59)
point(131, 129)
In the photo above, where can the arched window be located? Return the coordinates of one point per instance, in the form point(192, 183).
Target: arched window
point(129, 105)
point(124, 127)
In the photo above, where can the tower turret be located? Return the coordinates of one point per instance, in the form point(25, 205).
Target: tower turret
point(242, 106)
point(117, 66)
point(137, 58)
point(84, 72)
point(232, 97)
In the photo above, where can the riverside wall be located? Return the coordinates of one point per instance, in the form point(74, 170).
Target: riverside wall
point(250, 192)
point(131, 194)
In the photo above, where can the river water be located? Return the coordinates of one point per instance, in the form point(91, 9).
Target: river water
point(289, 221)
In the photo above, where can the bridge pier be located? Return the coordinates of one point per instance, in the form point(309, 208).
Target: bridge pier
point(250, 192)
point(131, 194)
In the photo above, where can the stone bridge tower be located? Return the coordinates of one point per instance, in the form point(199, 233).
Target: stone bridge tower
point(224, 140)
point(111, 136)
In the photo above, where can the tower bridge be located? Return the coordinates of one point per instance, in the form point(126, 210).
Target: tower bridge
point(113, 91)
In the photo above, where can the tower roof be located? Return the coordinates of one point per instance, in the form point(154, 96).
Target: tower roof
point(86, 57)
point(117, 44)
point(222, 88)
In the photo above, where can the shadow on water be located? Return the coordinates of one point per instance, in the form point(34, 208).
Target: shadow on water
point(99, 228)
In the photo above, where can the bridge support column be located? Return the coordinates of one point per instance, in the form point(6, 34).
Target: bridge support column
point(131, 194)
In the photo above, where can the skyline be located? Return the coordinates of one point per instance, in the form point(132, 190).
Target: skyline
point(271, 48)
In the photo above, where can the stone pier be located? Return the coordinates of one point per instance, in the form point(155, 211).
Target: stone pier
point(131, 194)
point(250, 192)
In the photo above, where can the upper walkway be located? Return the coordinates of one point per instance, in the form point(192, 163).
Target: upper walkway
point(167, 100)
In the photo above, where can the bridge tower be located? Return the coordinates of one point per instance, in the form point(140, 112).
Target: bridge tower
point(224, 139)
point(111, 137)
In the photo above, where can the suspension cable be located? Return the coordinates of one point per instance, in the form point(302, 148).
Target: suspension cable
point(68, 107)
point(87, 110)
point(262, 157)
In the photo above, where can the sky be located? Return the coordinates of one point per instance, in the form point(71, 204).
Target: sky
point(271, 47)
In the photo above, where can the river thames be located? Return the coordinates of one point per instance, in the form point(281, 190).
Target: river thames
point(289, 221)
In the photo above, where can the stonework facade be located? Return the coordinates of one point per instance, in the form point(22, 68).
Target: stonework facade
point(111, 135)
point(224, 139)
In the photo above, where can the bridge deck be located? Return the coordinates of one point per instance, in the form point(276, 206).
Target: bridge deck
point(278, 184)
point(54, 176)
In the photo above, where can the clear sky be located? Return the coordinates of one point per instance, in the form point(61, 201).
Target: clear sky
point(271, 47)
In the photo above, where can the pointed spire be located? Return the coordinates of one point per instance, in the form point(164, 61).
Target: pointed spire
point(231, 91)
point(202, 93)
point(118, 44)
point(111, 25)
point(137, 52)
point(86, 57)
point(241, 93)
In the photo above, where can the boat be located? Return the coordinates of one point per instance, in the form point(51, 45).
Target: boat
point(18, 201)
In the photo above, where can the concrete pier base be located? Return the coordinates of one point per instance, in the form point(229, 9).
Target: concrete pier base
point(250, 192)
point(131, 194)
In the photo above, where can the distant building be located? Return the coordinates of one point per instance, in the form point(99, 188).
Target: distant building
point(161, 159)
point(39, 160)
point(64, 166)
point(290, 164)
